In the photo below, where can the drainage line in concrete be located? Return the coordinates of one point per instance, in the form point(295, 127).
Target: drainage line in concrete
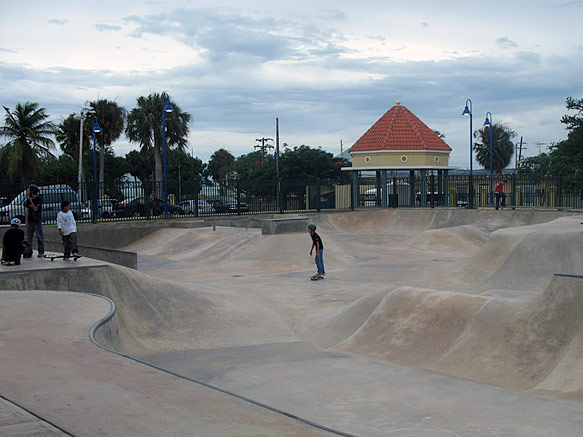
point(36, 415)
point(110, 315)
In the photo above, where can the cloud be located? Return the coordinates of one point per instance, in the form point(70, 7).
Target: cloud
point(57, 21)
point(506, 43)
point(107, 27)
point(424, 24)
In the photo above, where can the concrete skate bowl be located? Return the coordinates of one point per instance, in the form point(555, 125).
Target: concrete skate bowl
point(437, 295)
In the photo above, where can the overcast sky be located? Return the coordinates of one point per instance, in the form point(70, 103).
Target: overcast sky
point(327, 69)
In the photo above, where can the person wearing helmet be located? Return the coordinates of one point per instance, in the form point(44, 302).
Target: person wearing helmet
point(12, 243)
point(33, 213)
point(319, 258)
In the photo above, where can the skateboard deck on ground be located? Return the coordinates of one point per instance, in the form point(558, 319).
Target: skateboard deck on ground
point(54, 257)
point(316, 277)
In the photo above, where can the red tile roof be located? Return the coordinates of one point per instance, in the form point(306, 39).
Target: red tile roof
point(399, 129)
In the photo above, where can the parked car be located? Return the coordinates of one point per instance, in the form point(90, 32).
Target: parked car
point(137, 207)
point(202, 206)
point(105, 209)
point(52, 196)
point(227, 204)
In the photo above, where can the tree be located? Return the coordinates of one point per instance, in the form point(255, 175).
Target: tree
point(250, 167)
point(111, 118)
point(141, 163)
point(502, 147)
point(305, 162)
point(573, 121)
point(29, 135)
point(220, 165)
point(144, 126)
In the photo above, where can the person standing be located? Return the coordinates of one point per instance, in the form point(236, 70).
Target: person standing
point(12, 247)
point(68, 229)
point(500, 194)
point(319, 258)
point(33, 215)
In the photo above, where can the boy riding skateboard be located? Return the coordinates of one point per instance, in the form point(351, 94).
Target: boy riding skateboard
point(319, 246)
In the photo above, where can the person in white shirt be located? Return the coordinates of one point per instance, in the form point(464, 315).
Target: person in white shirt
point(68, 229)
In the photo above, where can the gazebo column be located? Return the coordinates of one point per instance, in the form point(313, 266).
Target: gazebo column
point(378, 187)
point(424, 188)
point(355, 190)
point(412, 188)
point(446, 187)
point(440, 196)
point(384, 193)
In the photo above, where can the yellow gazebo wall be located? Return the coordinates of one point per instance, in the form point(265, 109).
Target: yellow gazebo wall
point(394, 159)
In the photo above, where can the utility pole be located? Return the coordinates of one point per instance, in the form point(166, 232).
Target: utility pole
point(263, 146)
point(341, 150)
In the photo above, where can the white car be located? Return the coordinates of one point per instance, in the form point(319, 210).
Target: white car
point(203, 207)
point(105, 208)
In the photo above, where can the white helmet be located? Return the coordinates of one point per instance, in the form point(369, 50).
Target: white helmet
point(15, 221)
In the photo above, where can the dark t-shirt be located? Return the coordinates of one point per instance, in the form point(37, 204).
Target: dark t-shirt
point(35, 216)
point(12, 243)
point(316, 238)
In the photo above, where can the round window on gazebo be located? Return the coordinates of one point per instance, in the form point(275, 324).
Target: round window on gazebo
point(367, 159)
point(404, 158)
point(436, 159)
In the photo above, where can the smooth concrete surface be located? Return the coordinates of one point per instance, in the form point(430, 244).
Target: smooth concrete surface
point(49, 366)
point(429, 322)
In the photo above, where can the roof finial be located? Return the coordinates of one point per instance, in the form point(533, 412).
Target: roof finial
point(398, 102)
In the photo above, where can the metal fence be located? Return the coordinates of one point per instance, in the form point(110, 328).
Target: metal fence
point(145, 200)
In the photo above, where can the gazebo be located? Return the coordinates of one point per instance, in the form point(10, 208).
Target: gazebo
point(400, 141)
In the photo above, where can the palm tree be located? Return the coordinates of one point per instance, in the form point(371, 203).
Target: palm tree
point(29, 135)
point(502, 147)
point(67, 135)
point(111, 118)
point(144, 126)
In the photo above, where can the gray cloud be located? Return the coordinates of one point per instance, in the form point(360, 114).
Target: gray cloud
point(506, 43)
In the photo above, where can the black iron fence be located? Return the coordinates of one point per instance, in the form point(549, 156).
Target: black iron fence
point(148, 200)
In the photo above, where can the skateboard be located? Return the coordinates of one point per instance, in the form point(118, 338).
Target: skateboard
point(54, 257)
point(316, 277)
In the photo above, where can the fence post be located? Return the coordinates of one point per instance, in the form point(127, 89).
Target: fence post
point(279, 196)
point(559, 190)
point(513, 192)
point(318, 206)
point(238, 197)
point(432, 180)
point(354, 197)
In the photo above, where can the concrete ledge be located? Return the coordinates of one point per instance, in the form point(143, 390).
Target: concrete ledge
point(115, 256)
point(284, 225)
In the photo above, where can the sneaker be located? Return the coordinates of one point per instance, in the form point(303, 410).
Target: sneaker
point(75, 254)
point(40, 255)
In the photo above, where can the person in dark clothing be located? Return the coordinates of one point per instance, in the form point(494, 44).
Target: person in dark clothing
point(12, 247)
point(319, 246)
point(33, 213)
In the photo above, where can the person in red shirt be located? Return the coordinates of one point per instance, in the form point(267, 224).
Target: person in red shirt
point(500, 194)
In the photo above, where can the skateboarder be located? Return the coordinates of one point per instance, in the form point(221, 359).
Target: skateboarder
point(33, 213)
point(68, 229)
point(12, 247)
point(317, 243)
point(500, 194)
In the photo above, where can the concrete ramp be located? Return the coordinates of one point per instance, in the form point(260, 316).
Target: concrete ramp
point(518, 344)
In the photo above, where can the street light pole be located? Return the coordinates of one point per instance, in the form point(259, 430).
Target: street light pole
point(96, 129)
point(490, 123)
point(167, 108)
point(468, 111)
point(84, 112)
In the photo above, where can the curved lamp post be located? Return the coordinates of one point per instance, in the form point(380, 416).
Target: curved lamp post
point(167, 108)
point(490, 123)
point(96, 129)
point(468, 111)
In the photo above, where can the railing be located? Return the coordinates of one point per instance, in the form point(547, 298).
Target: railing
point(144, 200)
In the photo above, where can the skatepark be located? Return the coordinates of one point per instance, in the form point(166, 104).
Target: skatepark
point(429, 322)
